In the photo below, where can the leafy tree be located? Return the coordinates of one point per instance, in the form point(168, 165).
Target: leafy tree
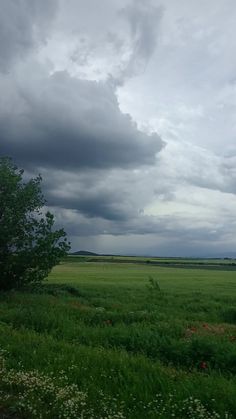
point(29, 247)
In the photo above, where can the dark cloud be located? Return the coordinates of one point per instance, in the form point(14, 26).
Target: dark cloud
point(100, 206)
point(23, 25)
point(112, 195)
point(93, 204)
point(69, 123)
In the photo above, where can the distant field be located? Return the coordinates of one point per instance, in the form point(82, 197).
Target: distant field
point(139, 340)
point(183, 262)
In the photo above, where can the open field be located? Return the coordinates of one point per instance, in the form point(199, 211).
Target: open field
point(108, 339)
point(158, 261)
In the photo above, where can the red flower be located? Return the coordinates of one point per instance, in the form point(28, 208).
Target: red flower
point(203, 365)
point(193, 329)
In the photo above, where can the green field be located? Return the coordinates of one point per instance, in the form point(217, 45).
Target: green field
point(122, 338)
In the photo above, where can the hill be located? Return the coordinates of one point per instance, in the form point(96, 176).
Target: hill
point(84, 253)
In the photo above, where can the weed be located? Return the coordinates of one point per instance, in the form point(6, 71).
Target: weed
point(153, 285)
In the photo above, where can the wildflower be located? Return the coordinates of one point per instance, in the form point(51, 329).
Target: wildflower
point(193, 329)
point(203, 365)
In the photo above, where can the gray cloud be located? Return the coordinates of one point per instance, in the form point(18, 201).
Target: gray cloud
point(68, 89)
point(173, 235)
point(117, 41)
point(144, 21)
point(23, 25)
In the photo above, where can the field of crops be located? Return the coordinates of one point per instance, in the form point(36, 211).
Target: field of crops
point(108, 339)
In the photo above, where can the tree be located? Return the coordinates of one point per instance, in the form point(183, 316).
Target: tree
point(29, 247)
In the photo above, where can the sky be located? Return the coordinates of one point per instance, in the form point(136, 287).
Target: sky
point(127, 110)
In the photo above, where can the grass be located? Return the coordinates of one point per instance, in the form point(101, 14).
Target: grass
point(121, 340)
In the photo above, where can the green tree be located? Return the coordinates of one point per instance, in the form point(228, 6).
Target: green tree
point(29, 246)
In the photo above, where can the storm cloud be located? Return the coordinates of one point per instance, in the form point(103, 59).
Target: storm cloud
point(128, 112)
point(67, 123)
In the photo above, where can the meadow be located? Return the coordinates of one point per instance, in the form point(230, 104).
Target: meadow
point(122, 338)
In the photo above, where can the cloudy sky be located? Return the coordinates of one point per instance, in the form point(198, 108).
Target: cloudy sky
point(127, 109)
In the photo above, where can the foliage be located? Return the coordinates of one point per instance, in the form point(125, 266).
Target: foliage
point(29, 247)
